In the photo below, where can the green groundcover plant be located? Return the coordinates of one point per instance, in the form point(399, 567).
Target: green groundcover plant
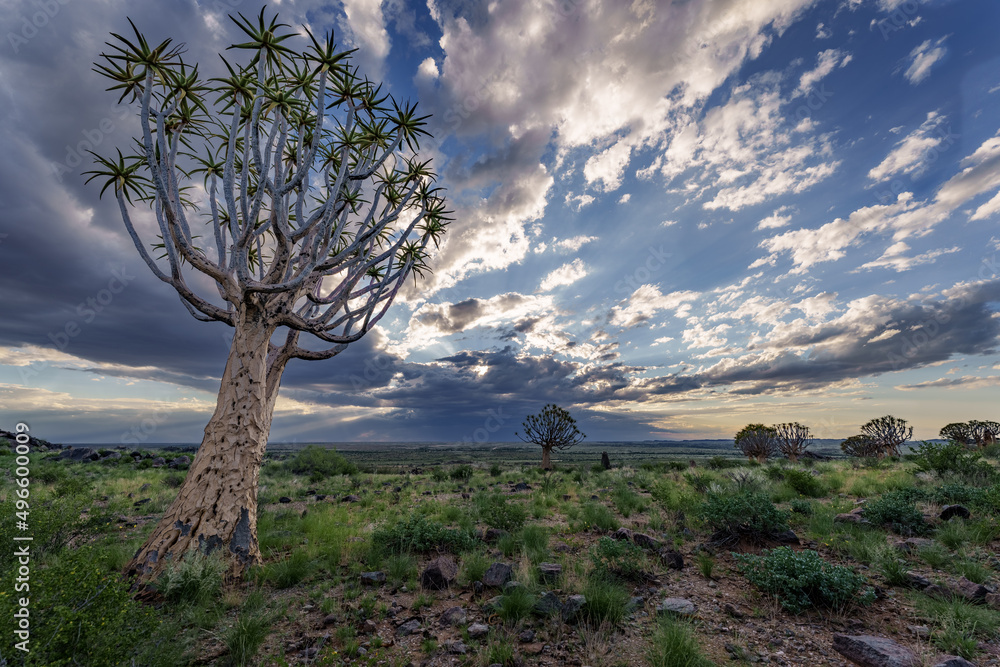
point(803, 580)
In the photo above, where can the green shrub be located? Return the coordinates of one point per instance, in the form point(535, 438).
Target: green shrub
point(607, 602)
point(496, 511)
point(897, 511)
point(515, 604)
point(289, 571)
point(803, 580)
point(52, 523)
point(462, 473)
point(246, 635)
point(196, 578)
point(673, 645)
point(77, 610)
point(953, 458)
point(495, 470)
point(320, 463)
point(804, 483)
point(596, 516)
point(800, 506)
point(618, 559)
point(419, 534)
point(720, 463)
point(747, 515)
point(627, 501)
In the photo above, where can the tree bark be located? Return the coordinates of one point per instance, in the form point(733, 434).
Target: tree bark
point(216, 506)
point(546, 458)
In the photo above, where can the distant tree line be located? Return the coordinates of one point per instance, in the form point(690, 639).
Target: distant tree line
point(879, 438)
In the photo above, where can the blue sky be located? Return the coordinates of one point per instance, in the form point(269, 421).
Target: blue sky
point(672, 219)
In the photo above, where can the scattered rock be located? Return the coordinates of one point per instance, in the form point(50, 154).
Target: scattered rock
point(521, 486)
point(410, 627)
point(373, 578)
point(953, 661)
point(494, 534)
point(916, 581)
point(850, 517)
point(111, 456)
point(646, 542)
point(180, 461)
point(970, 590)
point(913, 544)
point(992, 601)
point(786, 537)
point(497, 575)
point(284, 500)
point(511, 585)
point(921, 631)
point(939, 592)
point(477, 630)
point(453, 616)
point(456, 647)
point(678, 606)
point(369, 627)
point(672, 559)
point(439, 573)
point(159, 462)
point(351, 499)
point(572, 606)
point(732, 610)
point(549, 572)
point(870, 651)
point(949, 512)
point(320, 497)
point(526, 637)
point(330, 619)
point(547, 604)
point(478, 588)
point(623, 534)
point(79, 454)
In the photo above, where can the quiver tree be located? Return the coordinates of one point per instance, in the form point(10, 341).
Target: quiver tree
point(552, 428)
point(957, 432)
point(793, 439)
point(861, 446)
point(757, 441)
point(889, 433)
point(313, 211)
point(983, 433)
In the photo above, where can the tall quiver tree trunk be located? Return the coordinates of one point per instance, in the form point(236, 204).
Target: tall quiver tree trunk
point(216, 507)
point(546, 458)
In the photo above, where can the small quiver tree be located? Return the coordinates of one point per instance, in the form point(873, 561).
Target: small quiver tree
point(313, 212)
point(861, 446)
point(957, 432)
point(552, 428)
point(757, 441)
point(793, 439)
point(889, 433)
point(983, 433)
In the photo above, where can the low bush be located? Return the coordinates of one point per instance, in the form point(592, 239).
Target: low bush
point(418, 534)
point(803, 580)
point(804, 483)
point(750, 516)
point(497, 511)
point(79, 610)
point(618, 559)
point(598, 517)
point(320, 463)
point(462, 473)
point(952, 458)
point(897, 511)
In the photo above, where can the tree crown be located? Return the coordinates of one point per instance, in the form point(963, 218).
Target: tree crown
point(552, 428)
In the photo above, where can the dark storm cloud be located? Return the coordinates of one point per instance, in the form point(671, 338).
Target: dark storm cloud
point(890, 337)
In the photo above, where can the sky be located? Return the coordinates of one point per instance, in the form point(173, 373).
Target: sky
point(671, 218)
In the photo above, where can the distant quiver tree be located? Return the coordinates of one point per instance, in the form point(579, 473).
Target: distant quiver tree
point(793, 439)
point(757, 441)
point(292, 185)
point(889, 433)
point(552, 428)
